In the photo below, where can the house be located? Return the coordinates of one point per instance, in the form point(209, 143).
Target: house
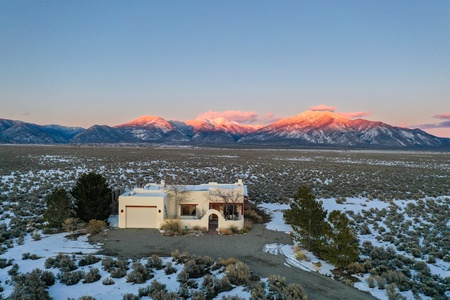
point(212, 205)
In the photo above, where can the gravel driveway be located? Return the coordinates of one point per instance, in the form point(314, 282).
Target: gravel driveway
point(137, 243)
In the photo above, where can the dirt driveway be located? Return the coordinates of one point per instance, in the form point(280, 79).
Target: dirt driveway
point(137, 243)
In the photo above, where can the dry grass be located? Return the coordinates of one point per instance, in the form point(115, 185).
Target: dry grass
point(225, 231)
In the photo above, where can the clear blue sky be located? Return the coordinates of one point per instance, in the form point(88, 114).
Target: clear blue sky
point(79, 63)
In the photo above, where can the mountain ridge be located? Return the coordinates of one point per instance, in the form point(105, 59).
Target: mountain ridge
point(307, 129)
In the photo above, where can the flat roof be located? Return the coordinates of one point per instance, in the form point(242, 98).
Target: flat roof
point(157, 190)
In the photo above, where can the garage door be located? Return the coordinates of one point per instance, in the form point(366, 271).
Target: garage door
point(141, 216)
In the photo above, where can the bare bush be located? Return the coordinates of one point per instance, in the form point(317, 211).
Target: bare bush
point(96, 226)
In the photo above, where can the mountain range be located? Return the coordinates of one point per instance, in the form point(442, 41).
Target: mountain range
point(310, 128)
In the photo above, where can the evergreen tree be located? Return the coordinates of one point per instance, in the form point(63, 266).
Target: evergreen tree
point(93, 197)
point(340, 246)
point(307, 218)
point(58, 208)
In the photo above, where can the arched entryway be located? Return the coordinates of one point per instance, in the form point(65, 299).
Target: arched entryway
point(213, 223)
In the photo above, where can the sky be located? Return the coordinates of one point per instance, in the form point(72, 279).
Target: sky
point(80, 63)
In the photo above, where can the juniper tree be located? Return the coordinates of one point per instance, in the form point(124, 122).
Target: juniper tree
point(93, 197)
point(339, 246)
point(307, 217)
point(58, 208)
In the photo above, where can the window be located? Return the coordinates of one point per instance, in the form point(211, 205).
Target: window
point(188, 209)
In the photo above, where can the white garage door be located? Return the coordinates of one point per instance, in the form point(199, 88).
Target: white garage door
point(141, 216)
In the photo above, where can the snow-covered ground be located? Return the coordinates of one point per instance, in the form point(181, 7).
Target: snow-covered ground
point(51, 245)
point(356, 205)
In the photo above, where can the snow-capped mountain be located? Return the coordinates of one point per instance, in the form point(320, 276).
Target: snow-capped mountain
point(328, 128)
point(152, 129)
point(18, 132)
point(218, 131)
point(102, 134)
point(311, 128)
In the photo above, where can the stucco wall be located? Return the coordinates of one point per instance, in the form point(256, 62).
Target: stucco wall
point(204, 221)
point(157, 201)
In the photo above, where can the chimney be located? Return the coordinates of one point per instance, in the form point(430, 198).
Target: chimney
point(163, 183)
point(239, 182)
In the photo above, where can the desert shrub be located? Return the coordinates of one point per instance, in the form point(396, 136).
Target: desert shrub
point(154, 262)
point(234, 229)
point(370, 282)
point(340, 200)
point(299, 255)
point(225, 231)
point(96, 226)
point(199, 228)
point(248, 224)
point(130, 296)
point(416, 252)
point(228, 261)
point(205, 260)
point(92, 276)
point(355, 268)
point(367, 247)
point(89, 259)
point(238, 273)
point(117, 272)
point(183, 278)
point(276, 285)
point(21, 239)
point(107, 263)
point(28, 255)
point(294, 292)
point(392, 293)
point(397, 277)
point(86, 298)
point(171, 226)
point(207, 287)
point(140, 274)
point(243, 231)
point(157, 291)
point(48, 278)
point(422, 268)
point(381, 282)
point(169, 269)
point(122, 264)
point(31, 286)
point(258, 292)
point(431, 259)
point(61, 261)
point(14, 271)
point(221, 285)
point(180, 258)
point(5, 262)
point(198, 295)
point(108, 281)
point(36, 236)
point(316, 263)
point(183, 291)
point(347, 281)
point(72, 224)
point(116, 269)
point(70, 278)
point(194, 269)
point(251, 214)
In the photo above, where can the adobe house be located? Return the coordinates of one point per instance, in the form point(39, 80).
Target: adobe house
point(205, 205)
